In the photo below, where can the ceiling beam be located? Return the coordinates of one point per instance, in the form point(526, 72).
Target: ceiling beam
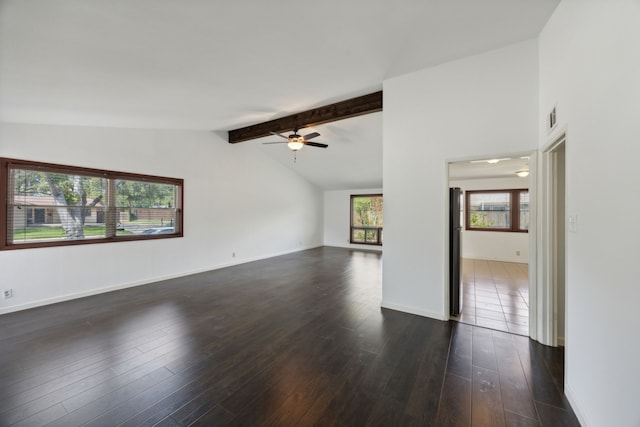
point(353, 107)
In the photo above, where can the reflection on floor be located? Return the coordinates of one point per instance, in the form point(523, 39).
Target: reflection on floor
point(294, 340)
point(495, 295)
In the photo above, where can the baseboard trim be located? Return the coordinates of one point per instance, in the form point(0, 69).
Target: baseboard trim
point(119, 286)
point(575, 406)
point(373, 248)
point(413, 310)
point(521, 260)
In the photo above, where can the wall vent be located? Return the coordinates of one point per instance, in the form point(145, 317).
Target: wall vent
point(551, 123)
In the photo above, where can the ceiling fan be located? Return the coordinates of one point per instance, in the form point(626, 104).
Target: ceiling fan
point(295, 142)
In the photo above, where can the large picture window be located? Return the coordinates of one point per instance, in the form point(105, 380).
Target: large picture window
point(497, 210)
point(51, 205)
point(366, 219)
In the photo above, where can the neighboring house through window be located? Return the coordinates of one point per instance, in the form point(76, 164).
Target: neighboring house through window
point(52, 205)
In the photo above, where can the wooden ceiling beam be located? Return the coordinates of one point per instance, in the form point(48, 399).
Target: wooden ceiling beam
point(353, 107)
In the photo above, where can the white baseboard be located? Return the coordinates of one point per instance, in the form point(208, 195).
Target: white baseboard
point(76, 295)
point(413, 310)
point(519, 260)
point(375, 248)
point(575, 406)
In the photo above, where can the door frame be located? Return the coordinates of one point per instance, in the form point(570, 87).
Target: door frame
point(543, 298)
point(547, 292)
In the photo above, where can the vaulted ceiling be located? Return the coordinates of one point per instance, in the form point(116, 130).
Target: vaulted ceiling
point(215, 65)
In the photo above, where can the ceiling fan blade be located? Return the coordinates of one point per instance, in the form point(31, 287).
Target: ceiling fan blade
point(316, 144)
point(311, 135)
point(281, 136)
point(276, 142)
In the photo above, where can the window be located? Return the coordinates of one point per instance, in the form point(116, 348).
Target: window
point(366, 219)
point(498, 210)
point(53, 205)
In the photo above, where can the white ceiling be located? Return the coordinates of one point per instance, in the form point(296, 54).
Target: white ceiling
point(219, 65)
point(478, 169)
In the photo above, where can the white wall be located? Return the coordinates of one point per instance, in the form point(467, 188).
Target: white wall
point(590, 69)
point(494, 245)
point(236, 200)
point(483, 105)
point(337, 206)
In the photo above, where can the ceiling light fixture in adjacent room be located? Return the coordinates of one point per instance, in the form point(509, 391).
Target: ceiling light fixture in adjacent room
point(490, 161)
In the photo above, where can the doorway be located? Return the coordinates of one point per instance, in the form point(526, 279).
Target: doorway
point(494, 290)
point(556, 230)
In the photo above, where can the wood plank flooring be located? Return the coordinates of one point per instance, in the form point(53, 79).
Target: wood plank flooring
point(293, 340)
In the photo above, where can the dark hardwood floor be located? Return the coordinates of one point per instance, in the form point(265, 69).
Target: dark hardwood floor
point(294, 340)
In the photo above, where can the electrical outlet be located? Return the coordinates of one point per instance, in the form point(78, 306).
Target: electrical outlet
point(7, 293)
point(233, 254)
point(517, 253)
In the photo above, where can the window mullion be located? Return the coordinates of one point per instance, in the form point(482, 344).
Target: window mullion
point(9, 187)
point(514, 218)
point(110, 214)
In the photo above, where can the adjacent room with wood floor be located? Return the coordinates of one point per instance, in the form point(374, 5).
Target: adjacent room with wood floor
point(362, 213)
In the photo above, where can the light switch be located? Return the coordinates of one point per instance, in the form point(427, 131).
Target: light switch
point(573, 223)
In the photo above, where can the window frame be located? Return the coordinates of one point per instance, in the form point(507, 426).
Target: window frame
point(378, 241)
point(8, 164)
point(514, 211)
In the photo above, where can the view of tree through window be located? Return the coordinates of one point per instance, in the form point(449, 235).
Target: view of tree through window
point(49, 205)
point(366, 219)
point(498, 210)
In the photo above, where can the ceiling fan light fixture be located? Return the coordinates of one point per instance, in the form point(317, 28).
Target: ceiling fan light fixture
point(295, 143)
point(522, 173)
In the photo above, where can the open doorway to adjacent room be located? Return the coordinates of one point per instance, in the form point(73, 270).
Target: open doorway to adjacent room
point(556, 221)
point(494, 242)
